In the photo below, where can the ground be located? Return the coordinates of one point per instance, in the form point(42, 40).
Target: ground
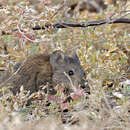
point(104, 54)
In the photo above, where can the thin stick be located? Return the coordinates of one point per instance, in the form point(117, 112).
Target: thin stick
point(84, 24)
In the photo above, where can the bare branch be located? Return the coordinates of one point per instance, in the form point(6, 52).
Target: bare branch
point(84, 24)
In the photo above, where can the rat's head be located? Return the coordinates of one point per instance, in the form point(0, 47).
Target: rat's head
point(67, 69)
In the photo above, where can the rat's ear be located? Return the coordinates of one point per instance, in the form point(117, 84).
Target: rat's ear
point(75, 57)
point(57, 59)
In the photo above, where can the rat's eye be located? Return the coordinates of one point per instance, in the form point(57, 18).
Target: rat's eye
point(71, 72)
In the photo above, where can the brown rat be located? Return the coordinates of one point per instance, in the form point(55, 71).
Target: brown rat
point(40, 69)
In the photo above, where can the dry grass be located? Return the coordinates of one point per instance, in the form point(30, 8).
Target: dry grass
point(104, 53)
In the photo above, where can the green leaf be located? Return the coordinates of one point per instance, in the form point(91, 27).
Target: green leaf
point(34, 49)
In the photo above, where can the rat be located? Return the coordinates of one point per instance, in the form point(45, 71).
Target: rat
point(41, 69)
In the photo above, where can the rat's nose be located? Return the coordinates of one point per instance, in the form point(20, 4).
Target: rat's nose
point(84, 85)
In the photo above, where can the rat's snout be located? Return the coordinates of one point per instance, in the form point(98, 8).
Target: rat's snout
point(84, 85)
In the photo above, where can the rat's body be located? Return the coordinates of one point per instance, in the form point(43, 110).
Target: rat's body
point(40, 69)
point(35, 71)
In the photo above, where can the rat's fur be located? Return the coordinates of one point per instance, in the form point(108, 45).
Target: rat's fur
point(40, 69)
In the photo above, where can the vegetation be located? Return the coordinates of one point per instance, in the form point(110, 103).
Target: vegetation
point(104, 54)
